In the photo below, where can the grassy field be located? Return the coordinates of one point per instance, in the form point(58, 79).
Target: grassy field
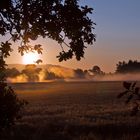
point(74, 111)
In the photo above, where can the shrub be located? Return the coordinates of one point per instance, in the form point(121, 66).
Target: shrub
point(10, 106)
point(131, 91)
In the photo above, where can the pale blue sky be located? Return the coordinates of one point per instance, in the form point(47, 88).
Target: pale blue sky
point(118, 36)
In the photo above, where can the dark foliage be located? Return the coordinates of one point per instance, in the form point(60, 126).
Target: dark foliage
point(131, 92)
point(11, 72)
point(130, 67)
point(38, 61)
point(32, 72)
point(79, 73)
point(26, 20)
point(96, 70)
point(10, 106)
point(52, 76)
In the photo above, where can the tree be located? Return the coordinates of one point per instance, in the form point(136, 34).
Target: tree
point(38, 61)
point(128, 67)
point(32, 72)
point(10, 106)
point(26, 20)
point(79, 73)
point(51, 75)
point(96, 70)
point(13, 72)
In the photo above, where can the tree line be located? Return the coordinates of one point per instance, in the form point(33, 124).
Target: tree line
point(32, 71)
point(128, 67)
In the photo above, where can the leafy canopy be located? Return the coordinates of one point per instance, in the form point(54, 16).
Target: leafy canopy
point(60, 20)
point(128, 67)
point(25, 21)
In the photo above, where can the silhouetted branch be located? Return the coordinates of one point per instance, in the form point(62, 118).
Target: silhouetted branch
point(132, 91)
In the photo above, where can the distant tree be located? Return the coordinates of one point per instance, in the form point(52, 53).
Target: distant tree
point(38, 61)
point(32, 72)
point(128, 67)
point(79, 73)
point(96, 70)
point(11, 72)
point(51, 76)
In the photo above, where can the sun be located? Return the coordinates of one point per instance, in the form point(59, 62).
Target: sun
point(30, 58)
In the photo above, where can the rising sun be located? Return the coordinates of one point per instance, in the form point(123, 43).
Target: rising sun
point(30, 58)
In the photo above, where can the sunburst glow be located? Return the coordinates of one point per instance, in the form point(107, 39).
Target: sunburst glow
point(30, 58)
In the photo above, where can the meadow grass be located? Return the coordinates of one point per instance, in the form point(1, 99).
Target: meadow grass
point(74, 111)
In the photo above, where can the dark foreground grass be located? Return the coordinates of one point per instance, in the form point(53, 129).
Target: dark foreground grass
point(74, 111)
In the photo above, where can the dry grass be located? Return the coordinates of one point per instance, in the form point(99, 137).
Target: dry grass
point(74, 111)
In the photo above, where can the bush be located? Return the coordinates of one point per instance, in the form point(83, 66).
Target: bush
point(10, 106)
point(132, 91)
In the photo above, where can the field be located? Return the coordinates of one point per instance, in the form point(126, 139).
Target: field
point(74, 111)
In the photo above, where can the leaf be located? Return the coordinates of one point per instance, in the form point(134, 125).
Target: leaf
point(6, 48)
point(127, 85)
point(121, 94)
point(65, 55)
point(129, 98)
point(38, 49)
point(15, 37)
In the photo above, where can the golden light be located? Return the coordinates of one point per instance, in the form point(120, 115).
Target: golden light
point(30, 58)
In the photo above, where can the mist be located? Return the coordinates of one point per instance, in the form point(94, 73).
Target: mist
point(62, 73)
point(33, 73)
point(18, 79)
point(118, 77)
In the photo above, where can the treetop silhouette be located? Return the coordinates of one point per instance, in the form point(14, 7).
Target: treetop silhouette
point(128, 67)
point(26, 20)
point(60, 20)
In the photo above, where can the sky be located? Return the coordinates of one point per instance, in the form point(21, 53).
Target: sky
point(118, 37)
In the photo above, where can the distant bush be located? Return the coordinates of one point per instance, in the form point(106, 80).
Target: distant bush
point(10, 106)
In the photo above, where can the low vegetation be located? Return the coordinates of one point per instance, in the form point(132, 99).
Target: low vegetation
point(133, 93)
point(74, 111)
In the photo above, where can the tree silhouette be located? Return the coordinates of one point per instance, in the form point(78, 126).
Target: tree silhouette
point(79, 73)
point(26, 20)
point(38, 61)
point(96, 70)
point(128, 67)
point(13, 72)
point(32, 72)
point(51, 76)
point(132, 92)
